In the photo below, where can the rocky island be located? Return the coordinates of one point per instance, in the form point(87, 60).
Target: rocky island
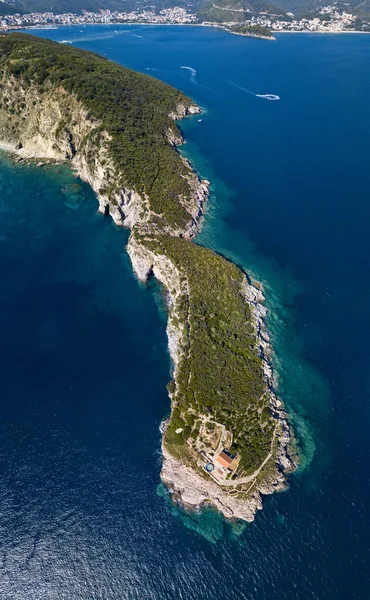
point(249, 30)
point(227, 439)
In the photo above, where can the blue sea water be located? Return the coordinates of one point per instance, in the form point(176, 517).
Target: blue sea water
point(83, 358)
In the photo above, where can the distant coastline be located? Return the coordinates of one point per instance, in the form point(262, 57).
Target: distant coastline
point(210, 456)
point(210, 25)
point(323, 32)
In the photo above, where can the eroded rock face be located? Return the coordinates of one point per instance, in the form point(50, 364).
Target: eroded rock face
point(191, 487)
point(37, 129)
point(54, 125)
point(146, 263)
point(182, 110)
point(192, 491)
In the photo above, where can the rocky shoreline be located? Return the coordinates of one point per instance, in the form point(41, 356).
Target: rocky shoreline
point(190, 489)
point(225, 27)
point(128, 208)
point(184, 484)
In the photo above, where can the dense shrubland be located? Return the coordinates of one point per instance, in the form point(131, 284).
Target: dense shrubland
point(132, 107)
point(220, 374)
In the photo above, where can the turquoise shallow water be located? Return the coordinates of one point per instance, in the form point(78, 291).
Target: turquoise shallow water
point(83, 356)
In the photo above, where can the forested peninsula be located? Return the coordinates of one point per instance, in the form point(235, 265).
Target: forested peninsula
point(250, 30)
point(227, 439)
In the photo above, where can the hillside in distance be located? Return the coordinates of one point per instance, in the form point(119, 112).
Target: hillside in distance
point(301, 8)
point(240, 10)
point(65, 6)
point(207, 10)
point(217, 11)
point(224, 11)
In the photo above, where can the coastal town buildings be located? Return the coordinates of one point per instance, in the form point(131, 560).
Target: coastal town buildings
point(49, 19)
point(328, 19)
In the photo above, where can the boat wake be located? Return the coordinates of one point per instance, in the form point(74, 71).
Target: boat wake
point(194, 80)
point(192, 74)
point(264, 96)
point(268, 96)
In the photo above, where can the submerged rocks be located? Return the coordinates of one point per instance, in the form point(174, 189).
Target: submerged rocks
point(237, 500)
point(192, 491)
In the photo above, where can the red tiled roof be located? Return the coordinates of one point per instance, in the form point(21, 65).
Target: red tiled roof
point(224, 460)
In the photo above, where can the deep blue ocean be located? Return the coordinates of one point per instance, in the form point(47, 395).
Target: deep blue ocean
point(83, 353)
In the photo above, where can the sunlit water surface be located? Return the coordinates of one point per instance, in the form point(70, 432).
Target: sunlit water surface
point(83, 358)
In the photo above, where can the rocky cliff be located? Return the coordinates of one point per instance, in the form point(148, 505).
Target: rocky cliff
point(53, 124)
point(183, 475)
point(144, 184)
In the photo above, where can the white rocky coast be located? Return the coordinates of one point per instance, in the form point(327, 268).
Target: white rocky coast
point(40, 139)
point(188, 486)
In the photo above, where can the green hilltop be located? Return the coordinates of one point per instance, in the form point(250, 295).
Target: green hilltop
point(132, 107)
point(219, 387)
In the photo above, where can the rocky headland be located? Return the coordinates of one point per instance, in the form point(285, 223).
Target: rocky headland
point(254, 31)
point(117, 130)
point(185, 478)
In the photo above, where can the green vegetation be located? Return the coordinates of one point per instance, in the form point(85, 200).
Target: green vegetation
point(76, 6)
point(133, 108)
point(252, 30)
point(224, 11)
point(220, 374)
point(217, 12)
